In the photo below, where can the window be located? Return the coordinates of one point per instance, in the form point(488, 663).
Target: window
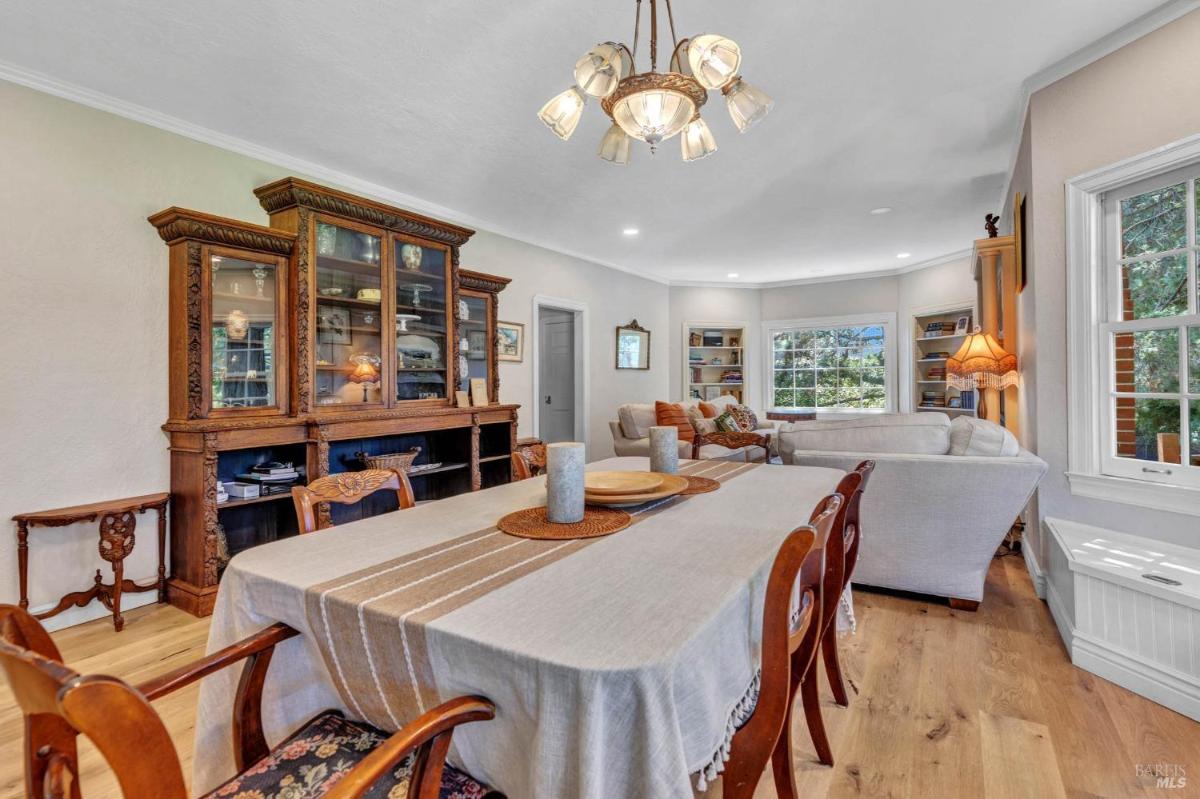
point(831, 364)
point(1148, 327)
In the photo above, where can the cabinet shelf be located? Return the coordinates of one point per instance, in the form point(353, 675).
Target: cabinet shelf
point(445, 467)
point(421, 309)
point(346, 265)
point(348, 302)
point(239, 502)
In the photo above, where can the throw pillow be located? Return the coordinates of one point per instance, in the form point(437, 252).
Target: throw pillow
point(669, 414)
point(704, 426)
point(709, 410)
point(744, 416)
point(726, 423)
point(971, 436)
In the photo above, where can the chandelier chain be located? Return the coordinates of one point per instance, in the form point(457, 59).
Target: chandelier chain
point(637, 27)
point(671, 21)
point(654, 35)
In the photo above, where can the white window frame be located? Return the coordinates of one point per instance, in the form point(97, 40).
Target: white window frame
point(886, 320)
point(1091, 267)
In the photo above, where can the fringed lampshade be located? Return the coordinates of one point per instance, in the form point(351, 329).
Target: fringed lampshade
point(981, 363)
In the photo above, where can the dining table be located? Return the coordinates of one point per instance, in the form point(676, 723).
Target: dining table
point(619, 665)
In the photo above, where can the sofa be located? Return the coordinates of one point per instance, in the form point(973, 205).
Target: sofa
point(631, 432)
point(941, 500)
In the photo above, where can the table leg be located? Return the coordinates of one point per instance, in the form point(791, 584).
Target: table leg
point(23, 562)
point(162, 553)
point(118, 578)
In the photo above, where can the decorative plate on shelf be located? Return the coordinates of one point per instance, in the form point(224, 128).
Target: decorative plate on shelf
point(419, 347)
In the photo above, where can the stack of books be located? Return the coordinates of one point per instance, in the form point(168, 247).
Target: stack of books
point(272, 477)
point(936, 373)
point(935, 356)
point(968, 400)
point(933, 399)
point(938, 329)
point(731, 376)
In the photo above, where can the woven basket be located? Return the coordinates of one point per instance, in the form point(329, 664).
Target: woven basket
point(396, 461)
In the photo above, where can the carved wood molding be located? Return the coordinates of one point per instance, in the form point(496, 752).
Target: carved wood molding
point(267, 422)
point(303, 382)
point(480, 281)
point(324, 516)
point(292, 192)
point(212, 526)
point(178, 224)
point(195, 331)
point(349, 486)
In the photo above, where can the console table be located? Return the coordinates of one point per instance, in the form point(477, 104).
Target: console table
point(117, 523)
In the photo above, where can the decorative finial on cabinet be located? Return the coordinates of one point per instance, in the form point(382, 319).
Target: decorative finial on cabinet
point(989, 225)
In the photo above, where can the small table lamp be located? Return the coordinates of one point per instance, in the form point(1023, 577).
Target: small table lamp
point(364, 373)
point(981, 363)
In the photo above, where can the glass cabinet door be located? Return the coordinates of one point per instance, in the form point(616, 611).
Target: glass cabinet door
point(349, 323)
point(474, 344)
point(423, 327)
point(244, 332)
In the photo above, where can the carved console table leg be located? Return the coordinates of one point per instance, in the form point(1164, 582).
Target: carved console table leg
point(162, 553)
point(116, 542)
point(23, 561)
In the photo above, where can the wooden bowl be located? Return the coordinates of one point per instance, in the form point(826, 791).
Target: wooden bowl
point(672, 484)
point(621, 483)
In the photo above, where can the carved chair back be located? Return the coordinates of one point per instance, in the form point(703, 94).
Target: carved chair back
point(789, 643)
point(346, 488)
point(528, 461)
point(853, 521)
point(58, 705)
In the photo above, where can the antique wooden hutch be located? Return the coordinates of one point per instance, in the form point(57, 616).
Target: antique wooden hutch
point(342, 330)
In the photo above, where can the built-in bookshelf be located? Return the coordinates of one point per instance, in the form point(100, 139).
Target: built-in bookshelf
point(714, 361)
point(936, 336)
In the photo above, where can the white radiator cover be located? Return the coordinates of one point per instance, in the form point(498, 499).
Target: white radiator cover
point(1137, 633)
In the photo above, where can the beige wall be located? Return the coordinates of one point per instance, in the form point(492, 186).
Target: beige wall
point(1137, 99)
point(940, 285)
point(83, 316)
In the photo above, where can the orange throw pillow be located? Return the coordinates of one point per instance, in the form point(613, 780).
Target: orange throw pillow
point(667, 414)
point(709, 410)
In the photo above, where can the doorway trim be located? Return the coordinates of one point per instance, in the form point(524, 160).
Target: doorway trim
point(582, 363)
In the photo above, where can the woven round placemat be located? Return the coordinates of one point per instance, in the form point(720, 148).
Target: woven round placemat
point(699, 485)
point(532, 523)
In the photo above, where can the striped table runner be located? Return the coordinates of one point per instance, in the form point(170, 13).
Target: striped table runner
point(369, 625)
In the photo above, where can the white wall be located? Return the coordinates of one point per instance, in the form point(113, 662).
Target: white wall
point(83, 318)
point(1130, 102)
point(943, 284)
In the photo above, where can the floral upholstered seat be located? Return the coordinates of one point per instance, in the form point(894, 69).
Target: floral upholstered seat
point(323, 751)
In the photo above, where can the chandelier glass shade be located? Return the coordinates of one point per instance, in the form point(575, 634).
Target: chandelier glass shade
point(654, 106)
point(562, 113)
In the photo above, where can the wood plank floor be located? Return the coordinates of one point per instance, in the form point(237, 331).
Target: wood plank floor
point(944, 704)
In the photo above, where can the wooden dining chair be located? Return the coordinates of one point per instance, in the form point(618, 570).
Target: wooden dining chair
point(59, 704)
point(789, 645)
point(852, 535)
point(346, 488)
point(528, 461)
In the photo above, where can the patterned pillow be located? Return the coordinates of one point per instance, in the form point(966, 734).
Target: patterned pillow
point(727, 423)
point(744, 416)
point(668, 414)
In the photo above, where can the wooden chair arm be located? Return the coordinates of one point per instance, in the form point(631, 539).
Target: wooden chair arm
point(261, 641)
point(430, 736)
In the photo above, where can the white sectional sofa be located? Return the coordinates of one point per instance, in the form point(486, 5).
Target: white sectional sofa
point(940, 501)
point(631, 432)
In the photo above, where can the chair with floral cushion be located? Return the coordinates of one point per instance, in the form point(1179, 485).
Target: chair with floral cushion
point(330, 757)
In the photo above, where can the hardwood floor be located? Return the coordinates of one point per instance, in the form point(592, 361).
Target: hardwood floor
point(944, 703)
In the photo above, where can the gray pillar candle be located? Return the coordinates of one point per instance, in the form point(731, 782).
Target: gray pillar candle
point(564, 482)
point(664, 449)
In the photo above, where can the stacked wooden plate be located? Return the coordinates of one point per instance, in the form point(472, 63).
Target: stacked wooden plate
point(626, 489)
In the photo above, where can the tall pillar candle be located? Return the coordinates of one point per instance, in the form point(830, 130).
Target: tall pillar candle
point(564, 482)
point(664, 449)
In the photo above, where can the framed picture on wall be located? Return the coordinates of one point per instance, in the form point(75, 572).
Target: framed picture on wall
point(1019, 238)
point(510, 341)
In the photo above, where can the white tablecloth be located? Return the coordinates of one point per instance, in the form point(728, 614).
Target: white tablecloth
point(615, 670)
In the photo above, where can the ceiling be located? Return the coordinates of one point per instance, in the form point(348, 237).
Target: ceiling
point(913, 105)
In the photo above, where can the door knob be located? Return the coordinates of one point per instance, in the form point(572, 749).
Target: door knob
point(547, 399)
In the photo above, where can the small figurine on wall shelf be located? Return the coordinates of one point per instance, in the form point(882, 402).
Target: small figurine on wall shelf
point(989, 224)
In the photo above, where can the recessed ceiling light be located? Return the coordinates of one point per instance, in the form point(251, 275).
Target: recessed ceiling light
point(904, 255)
point(630, 231)
point(881, 211)
point(732, 275)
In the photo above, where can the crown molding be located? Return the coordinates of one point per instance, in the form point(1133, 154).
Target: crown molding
point(1106, 45)
point(75, 93)
point(806, 281)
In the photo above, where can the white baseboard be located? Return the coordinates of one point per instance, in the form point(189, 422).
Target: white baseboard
point(92, 611)
point(1137, 674)
point(1035, 570)
point(1062, 619)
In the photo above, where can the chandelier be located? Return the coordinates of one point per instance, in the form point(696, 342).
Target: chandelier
point(654, 106)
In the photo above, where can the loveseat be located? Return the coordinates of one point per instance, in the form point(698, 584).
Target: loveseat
point(631, 432)
point(941, 499)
